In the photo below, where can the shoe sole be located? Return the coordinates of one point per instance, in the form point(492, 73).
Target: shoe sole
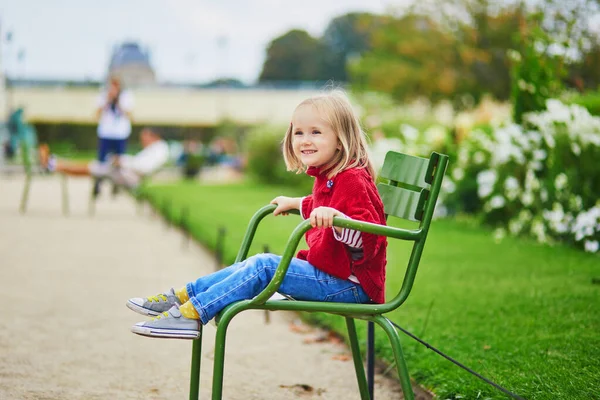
point(165, 333)
point(141, 310)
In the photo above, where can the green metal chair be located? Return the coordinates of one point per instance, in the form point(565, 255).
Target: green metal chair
point(409, 187)
point(30, 161)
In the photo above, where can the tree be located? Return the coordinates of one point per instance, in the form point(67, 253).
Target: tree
point(294, 56)
point(347, 36)
point(412, 57)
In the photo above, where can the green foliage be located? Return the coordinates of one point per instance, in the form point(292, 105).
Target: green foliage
point(428, 54)
point(522, 317)
point(192, 165)
point(265, 159)
point(295, 56)
point(536, 73)
point(589, 100)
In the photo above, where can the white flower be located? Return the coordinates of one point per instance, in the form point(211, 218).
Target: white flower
point(409, 132)
point(478, 157)
point(591, 246)
point(435, 135)
point(539, 155)
point(557, 219)
point(558, 111)
point(458, 174)
point(511, 186)
point(539, 231)
point(575, 148)
point(560, 182)
point(514, 55)
point(497, 202)
point(585, 223)
point(486, 180)
point(515, 226)
point(448, 186)
point(527, 198)
point(511, 183)
point(531, 181)
point(499, 234)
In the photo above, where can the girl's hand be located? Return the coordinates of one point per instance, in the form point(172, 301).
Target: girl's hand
point(285, 204)
point(322, 217)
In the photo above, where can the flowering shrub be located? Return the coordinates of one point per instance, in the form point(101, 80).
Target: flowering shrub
point(265, 160)
point(543, 181)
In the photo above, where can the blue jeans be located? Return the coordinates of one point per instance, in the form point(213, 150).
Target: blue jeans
point(106, 146)
point(244, 280)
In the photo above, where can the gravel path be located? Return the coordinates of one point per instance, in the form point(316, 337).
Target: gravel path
point(65, 332)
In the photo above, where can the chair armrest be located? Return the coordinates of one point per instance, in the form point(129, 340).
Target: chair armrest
point(303, 227)
point(377, 229)
point(251, 229)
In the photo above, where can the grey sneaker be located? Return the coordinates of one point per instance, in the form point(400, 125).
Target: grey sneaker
point(154, 305)
point(170, 324)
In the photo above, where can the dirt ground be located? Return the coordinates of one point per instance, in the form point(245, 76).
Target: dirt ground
point(65, 332)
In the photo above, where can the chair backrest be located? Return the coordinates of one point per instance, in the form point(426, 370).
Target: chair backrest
point(409, 187)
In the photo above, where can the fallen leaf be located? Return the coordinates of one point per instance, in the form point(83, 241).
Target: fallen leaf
point(299, 328)
point(302, 386)
point(341, 357)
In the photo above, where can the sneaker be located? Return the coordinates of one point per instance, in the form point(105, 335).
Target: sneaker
point(170, 324)
point(155, 305)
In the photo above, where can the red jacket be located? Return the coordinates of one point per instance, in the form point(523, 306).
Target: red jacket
point(352, 192)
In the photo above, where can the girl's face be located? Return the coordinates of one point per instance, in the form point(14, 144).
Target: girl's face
point(313, 139)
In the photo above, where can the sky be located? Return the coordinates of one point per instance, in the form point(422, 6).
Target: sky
point(189, 40)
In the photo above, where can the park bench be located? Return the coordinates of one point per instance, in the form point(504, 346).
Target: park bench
point(409, 187)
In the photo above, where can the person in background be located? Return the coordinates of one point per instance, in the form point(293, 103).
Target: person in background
point(125, 170)
point(114, 110)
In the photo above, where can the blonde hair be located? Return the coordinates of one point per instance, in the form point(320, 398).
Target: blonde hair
point(337, 111)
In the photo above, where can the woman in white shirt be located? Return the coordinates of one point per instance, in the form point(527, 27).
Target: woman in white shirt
point(114, 121)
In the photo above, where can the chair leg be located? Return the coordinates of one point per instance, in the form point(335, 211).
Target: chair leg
point(219, 358)
point(92, 201)
point(219, 361)
point(65, 195)
point(25, 194)
point(398, 355)
point(358, 364)
point(195, 371)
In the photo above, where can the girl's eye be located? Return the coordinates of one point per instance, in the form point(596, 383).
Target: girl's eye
point(316, 132)
point(298, 133)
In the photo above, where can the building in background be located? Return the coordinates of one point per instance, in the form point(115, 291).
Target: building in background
point(131, 64)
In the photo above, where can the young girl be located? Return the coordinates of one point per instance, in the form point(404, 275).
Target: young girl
point(341, 265)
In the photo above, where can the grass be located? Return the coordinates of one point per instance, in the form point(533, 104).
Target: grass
point(521, 314)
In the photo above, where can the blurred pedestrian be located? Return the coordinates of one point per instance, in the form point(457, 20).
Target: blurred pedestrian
point(115, 106)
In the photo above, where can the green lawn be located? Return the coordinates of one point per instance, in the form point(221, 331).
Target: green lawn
point(524, 315)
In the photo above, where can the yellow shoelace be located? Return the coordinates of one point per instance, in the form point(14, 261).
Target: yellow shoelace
point(158, 298)
point(159, 316)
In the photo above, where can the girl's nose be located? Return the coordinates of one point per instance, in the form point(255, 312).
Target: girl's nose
point(306, 139)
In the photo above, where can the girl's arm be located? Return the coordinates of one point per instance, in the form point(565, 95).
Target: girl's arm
point(322, 217)
point(285, 204)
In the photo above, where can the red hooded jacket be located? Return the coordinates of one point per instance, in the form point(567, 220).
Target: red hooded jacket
point(353, 193)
